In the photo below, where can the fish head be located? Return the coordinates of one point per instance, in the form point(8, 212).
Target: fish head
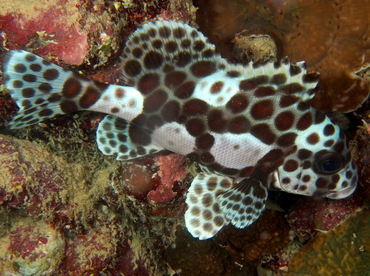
point(321, 165)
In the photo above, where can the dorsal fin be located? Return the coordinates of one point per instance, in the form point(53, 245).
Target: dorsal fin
point(174, 57)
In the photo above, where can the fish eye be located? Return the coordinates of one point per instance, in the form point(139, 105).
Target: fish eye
point(329, 163)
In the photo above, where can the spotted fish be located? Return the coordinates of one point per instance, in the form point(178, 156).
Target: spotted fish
point(248, 127)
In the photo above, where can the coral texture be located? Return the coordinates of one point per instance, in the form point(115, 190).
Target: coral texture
point(331, 36)
point(342, 251)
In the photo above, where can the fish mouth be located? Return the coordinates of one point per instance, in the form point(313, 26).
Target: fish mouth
point(342, 193)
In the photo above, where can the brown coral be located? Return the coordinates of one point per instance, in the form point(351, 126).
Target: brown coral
point(331, 36)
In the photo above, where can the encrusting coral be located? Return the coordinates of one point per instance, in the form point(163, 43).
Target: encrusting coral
point(342, 251)
point(331, 36)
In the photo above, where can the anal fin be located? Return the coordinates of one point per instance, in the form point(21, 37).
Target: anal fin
point(113, 138)
point(243, 204)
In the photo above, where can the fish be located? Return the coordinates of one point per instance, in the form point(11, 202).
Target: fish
point(249, 127)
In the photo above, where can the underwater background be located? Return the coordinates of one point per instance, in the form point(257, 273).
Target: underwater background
point(66, 209)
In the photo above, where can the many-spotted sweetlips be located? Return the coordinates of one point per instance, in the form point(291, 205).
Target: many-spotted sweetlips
point(248, 127)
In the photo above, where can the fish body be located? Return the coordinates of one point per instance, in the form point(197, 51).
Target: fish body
point(247, 126)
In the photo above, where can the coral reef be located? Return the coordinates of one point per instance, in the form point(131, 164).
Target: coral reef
point(330, 36)
point(342, 251)
point(33, 248)
point(269, 234)
point(191, 257)
point(308, 216)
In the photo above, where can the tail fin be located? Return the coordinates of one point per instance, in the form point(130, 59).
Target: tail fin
point(42, 89)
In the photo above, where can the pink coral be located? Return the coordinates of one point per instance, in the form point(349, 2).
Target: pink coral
point(171, 168)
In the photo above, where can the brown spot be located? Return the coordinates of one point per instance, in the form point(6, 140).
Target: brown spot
point(45, 112)
point(120, 93)
point(264, 91)
point(71, 88)
point(321, 183)
point(182, 59)
point(138, 135)
point(262, 110)
point(51, 74)
point(29, 78)
point(89, 98)
point(306, 178)
point(121, 137)
point(68, 106)
point(45, 87)
point(195, 126)
point(339, 147)
point(238, 103)
point(132, 68)
point(153, 60)
point(152, 32)
point(155, 100)
point(239, 125)
point(302, 106)
point(278, 79)
point(28, 92)
point(157, 44)
point(284, 120)
point(209, 53)
point(174, 79)
point(313, 139)
point(203, 68)
point(329, 143)
point(304, 154)
point(335, 178)
point(305, 121)
point(294, 70)
point(290, 165)
point(205, 141)
point(170, 111)
point(137, 52)
point(217, 87)
point(286, 101)
point(286, 140)
point(264, 133)
point(195, 107)
point(292, 88)
point(329, 130)
point(253, 82)
point(185, 90)
point(198, 45)
point(121, 124)
point(30, 57)
point(17, 84)
point(148, 83)
point(164, 31)
point(179, 32)
point(171, 46)
point(207, 200)
point(185, 43)
point(122, 149)
point(193, 156)
point(233, 74)
point(20, 68)
point(219, 221)
point(207, 158)
point(216, 122)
